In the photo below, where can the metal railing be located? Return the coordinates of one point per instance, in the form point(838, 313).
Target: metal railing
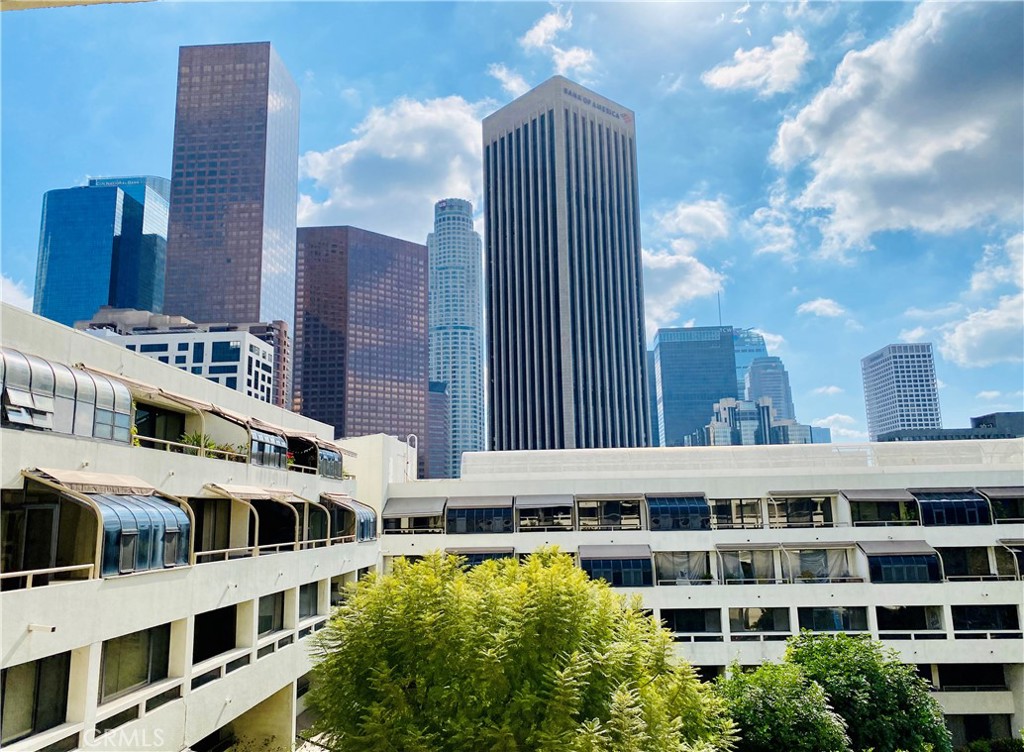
point(31, 574)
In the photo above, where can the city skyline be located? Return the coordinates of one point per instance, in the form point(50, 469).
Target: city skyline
point(743, 192)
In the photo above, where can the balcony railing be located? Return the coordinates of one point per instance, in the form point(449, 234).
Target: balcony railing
point(30, 576)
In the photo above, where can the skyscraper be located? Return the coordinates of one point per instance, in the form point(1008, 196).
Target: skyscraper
point(102, 244)
point(361, 333)
point(900, 389)
point(767, 377)
point(748, 344)
point(437, 453)
point(231, 242)
point(566, 355)
point(696, 367)
point(456, 327)
point(652, 398)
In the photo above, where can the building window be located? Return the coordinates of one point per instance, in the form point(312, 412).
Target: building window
point(953, 508)
point(985, 617)
point(609, 514)
point(153, 348)
point(679, 513)
point(736, 513)
point(834, 618)
point(226, 352)
point(309, 600)
point(904, 568)
point(198, 352)
point(908, 618)
point(692, 620)
point(748, 566)
point(271, 618)
point(133, 661)
point(483, 520)
point(214, 633)
point(759, 619)
point(34, 697)
point(620, 572)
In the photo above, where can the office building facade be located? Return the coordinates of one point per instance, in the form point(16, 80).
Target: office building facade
point(234, 183)
point(900, 389)
point(747, 344)
point(102, 244)
point(457, 327)
point(696, 367)
point(361, 345)
point(1007, 425)
point(767, 377)
point(566, 355)
point(437, 452)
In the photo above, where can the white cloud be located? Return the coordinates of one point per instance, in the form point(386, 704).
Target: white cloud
point(15, 293)
point(510, 81)
point(768, 70)
point(739, 13)
point(577, 62)
point(772, 342)
point(989, 394)
point(903, 139)
point(1000, 266)
point(771, 226)
point(934, 313)
point(822, 307)
point(816, 13)
point(829, 390)
point(916, 334)
point(836, 419)
point(987, 336)
point(940, 384)
point(704, 219)
point(402, 159)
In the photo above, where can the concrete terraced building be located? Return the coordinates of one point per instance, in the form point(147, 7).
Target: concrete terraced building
point(161, 594)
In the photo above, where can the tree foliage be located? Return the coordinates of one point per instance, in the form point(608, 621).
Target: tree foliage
point(887, 707)
point(776, 708)
point(507, 657)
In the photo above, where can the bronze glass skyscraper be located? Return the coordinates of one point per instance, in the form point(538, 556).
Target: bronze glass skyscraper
point(566, 348)
point(234, 182)
point(361, 332)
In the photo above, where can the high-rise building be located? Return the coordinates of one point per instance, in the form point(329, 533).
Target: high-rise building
point(740, 423)
point(437, 452)
point(231, 241)
point(696, 367)
point(748, 345)
point(821, 435)
point(566, 355)
point(102, 244)
point(767, 377)
point(361, 333)
point(652, 398)
point(900, 389)
point(456, 327)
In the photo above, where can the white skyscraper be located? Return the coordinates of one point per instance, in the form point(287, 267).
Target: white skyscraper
point(900, 390)
point(566, 356)
point(767, 377)
point(456, 324)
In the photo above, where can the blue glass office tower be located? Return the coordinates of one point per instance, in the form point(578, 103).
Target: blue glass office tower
point(748, 345)
point(101, 244)
point(695, 367)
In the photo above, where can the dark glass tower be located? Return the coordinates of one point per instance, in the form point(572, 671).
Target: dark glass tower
point(102, 244)
point(567, 362)
point(231, 242)
point(361, 332)
point(695, 368)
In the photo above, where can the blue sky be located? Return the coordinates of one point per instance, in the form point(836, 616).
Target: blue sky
point(842, 175)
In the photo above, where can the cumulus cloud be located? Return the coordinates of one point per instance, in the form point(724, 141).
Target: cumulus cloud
point(772, 342)
point(916, 334)
point(401, 159)
point(572, 61)
point(987, 336)
point(989, 394)
point(829, 390)
point(841, 426)
point(904, 138)
point(822, 307)
point(767, 70)
point(510, 81)
point(771, 227)
point(704, 219)
point(945, 311)
point(15, 293)
point(1000, 265)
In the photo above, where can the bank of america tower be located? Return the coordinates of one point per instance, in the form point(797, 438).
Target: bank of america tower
point(566, 355)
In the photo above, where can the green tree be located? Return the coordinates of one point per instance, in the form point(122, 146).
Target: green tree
point(776, 707)
point(505, 656)
point(886, 705)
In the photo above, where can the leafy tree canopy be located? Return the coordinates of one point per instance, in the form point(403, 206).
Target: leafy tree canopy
point(505, 657)
point(776, 708)
point(887, 707)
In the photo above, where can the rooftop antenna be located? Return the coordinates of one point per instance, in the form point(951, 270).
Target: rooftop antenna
point(719, 293)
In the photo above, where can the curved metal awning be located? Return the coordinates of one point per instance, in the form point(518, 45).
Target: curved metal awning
point(91, 483)
point(422, 506)
point(240, 492)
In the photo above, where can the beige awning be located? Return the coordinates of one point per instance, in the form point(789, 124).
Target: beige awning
point(98, 483)
point(543, 501)
point(637, 551)
point(1004, 492)
point(878, 494)
point(809, 545)
point(479, 502)
point(895, 548)
point(148, 391)
point(245, 493)
point(421, 506)
point(802, 494)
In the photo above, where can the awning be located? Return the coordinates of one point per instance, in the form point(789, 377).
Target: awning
point(89, 483)
point(688, 495)
point(245, 493)
point(347, 502)
point(479, 502)
point(270, 438)
point(919, 492)
point(802, 494)
point(1004, 492)
point(287, 495)
point(896, 548)
point(616, 552)
point(421, 506)
point(539, 502)
point(747, 546)
point(467, 551)
point(878, 494)
point(1012, 543)
point(808, 545)
point(148, 391)
point(135, 532)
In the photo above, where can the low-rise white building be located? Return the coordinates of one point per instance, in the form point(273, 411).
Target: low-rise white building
point(160, 595)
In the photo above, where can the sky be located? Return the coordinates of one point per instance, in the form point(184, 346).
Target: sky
point(839, 176)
